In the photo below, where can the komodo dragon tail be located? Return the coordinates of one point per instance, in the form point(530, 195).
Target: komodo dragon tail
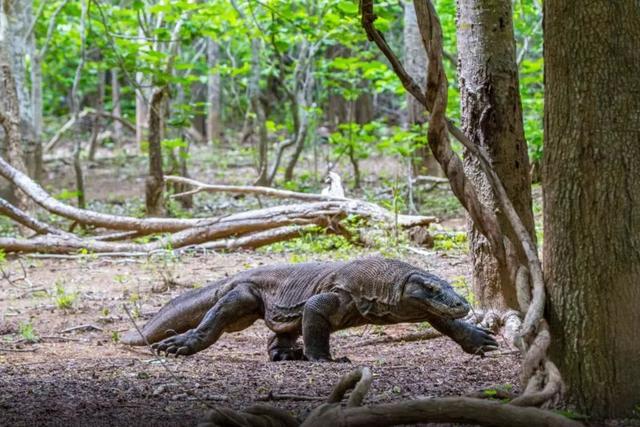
point(179, 315)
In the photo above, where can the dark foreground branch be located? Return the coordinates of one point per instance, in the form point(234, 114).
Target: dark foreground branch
point(463, 410)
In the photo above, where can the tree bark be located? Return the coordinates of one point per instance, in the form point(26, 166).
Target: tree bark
point(97, 118)
point(492, 119)
point(214, 130)
point(116, 105)
point(592, 200)
point(10, 109)
point(36, 106)
point(154, 186)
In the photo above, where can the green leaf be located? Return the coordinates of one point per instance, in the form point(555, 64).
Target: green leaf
point(348, 7)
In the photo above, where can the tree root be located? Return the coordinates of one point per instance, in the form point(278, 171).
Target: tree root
point(464, 410)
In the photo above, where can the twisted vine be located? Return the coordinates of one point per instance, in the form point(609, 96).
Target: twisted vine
point(541, 376)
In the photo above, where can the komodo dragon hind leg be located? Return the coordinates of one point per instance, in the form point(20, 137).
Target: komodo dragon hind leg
point(284, 347)
point(316, 327)
point(235, 311)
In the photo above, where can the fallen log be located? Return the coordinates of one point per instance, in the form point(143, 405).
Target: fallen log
point(56, 244)
point(352, 206)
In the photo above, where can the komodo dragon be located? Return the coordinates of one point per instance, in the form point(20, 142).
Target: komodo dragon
point(312, 299)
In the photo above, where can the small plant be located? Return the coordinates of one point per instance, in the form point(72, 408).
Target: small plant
point(120, 278)
point(450, 241)
point(105, 311)
point(115, 336)
point(28, 333)
point(64, 300)
point(134, 298)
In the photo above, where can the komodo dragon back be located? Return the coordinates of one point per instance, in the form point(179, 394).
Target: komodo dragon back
point(375, 282)
point(179, 315)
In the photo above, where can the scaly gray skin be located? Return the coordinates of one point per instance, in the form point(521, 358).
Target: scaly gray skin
point(312, 300)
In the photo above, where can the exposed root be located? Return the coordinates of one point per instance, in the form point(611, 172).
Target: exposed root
point(443, 410)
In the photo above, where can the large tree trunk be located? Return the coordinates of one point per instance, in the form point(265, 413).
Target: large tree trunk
point(492, 119)
point(592, 200)
point(214, 130)
point(10, 109)
point(19, 15)
point(415, 60)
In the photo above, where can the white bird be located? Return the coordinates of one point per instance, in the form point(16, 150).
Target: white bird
point(335, 188)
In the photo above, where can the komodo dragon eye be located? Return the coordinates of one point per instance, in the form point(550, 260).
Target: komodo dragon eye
point(420, 287)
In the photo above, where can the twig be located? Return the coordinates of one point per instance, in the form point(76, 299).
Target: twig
point(83, 328)
point(417, 336)
point(163, 362)
point(276, 397)
point(18, 350)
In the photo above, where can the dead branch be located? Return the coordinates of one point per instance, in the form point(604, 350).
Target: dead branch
point(276, 397)
point(416, 336)
point(68, 125)
point(261, 238)
point(192, 236)
point(23, 218)
point(351, 206)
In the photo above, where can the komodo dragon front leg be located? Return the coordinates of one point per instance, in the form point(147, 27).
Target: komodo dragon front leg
point(473, 339)
point(317, 326)
point(235, 311)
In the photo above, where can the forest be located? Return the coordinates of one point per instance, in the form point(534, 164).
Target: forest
point(319, 212)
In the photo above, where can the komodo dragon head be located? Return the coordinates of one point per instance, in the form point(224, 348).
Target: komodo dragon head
point(423, 291)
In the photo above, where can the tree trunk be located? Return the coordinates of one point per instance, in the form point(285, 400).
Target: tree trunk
point(592, 201)
point(116, 105)
point(19, 15)
point(415, 60)
point(36, 111)
point(492, 119)
point(97, 118)
point(10, 109)
point(141, 106)
point(214, 130)
point(154, 190)
point(260, 119)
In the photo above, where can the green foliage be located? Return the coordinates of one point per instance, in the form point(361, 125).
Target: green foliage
point(450, 241)
point(28, 333)
point(313, 243)
point(64, 300)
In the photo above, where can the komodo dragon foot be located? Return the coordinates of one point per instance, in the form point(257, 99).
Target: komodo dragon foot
point(477, 340)
point(184, 344)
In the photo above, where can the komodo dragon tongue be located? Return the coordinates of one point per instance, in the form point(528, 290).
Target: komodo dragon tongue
point(179, 315)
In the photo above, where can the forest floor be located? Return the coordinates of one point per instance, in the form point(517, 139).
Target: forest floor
point(50, 375)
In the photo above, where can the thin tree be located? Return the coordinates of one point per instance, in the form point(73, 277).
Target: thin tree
point(492, 120)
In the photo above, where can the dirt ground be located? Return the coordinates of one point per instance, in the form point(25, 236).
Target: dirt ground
point(84, 377)
point(77, 374)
